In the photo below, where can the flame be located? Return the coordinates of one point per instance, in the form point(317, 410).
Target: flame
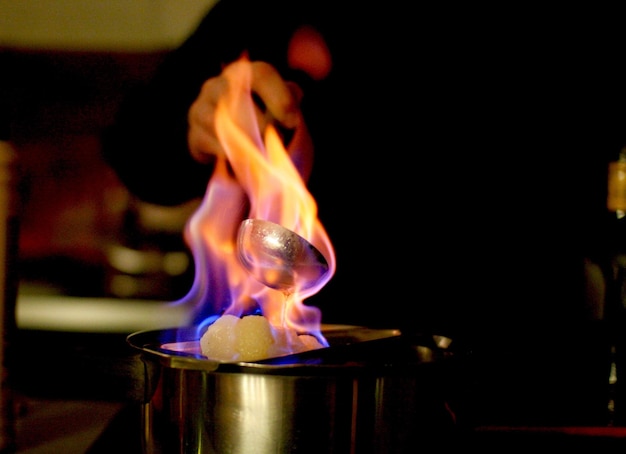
point(256, 179)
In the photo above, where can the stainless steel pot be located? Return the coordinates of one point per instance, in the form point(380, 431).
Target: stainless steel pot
point(371, 391)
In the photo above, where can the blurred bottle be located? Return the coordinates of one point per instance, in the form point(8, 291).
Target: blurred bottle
point(8, 290)
point(615, 301)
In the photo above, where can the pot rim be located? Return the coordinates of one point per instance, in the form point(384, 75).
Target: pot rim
point(352, 348)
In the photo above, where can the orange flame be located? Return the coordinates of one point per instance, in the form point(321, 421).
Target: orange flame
point(257, 179)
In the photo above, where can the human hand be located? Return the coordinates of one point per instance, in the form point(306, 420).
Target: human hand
point(280, 105)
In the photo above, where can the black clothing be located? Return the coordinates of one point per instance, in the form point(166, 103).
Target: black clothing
point(460, 165)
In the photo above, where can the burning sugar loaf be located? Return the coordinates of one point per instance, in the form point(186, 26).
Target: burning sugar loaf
point(251, 338)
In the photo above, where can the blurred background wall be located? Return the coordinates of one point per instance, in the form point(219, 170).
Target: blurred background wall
point(64, 67)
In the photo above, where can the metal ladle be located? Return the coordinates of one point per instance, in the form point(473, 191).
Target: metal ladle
point(279, 257)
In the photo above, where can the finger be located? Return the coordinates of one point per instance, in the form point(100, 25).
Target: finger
point(277, 95)
point(201, 135)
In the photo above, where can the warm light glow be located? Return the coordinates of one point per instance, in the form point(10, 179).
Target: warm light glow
point(257, 179)
point(308, 52)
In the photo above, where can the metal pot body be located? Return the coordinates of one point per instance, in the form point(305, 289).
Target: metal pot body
point(337, 406)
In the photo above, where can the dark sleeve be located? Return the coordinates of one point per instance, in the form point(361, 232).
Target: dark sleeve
point(147, 144)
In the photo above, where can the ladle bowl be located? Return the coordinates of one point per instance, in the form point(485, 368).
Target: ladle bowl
point(278, 257)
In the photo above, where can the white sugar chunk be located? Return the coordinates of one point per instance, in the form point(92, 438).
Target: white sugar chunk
point(252, 338)
point(218, 342)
